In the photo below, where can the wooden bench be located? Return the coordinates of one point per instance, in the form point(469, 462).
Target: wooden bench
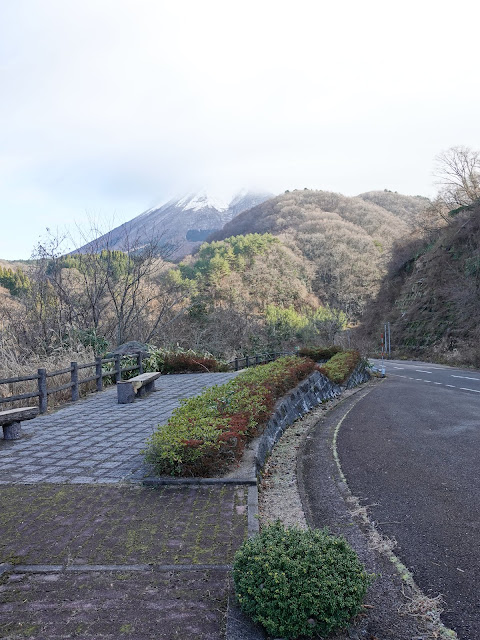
point(139, 385)
point(11, 421)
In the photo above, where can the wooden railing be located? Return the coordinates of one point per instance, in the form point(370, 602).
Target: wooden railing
point(257, 358)
point(42, 376)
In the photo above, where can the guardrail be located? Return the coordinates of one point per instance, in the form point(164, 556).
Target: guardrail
point(43, 376)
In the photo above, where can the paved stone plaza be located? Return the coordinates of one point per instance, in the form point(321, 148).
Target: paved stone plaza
point(96, 439)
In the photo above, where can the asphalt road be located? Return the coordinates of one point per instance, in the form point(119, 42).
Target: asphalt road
point(410, 449)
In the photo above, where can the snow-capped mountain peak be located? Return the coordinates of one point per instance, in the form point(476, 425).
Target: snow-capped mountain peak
point(182, 223)
point(202, 200)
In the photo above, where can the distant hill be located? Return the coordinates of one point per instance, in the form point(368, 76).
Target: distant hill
point(431, 294)
point(180, 224)
point(407, 208)
point(347, 240)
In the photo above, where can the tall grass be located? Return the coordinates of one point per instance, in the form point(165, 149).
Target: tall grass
point(12, 367)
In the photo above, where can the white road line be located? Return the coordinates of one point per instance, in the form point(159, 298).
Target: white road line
point(437, 383)
point(465, 378)
point(422, 371)
point(451, 385)
point(418, 379)
point(474, 390)
point(427, 380)
point(401, 368)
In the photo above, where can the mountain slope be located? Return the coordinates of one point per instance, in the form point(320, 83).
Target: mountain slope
point(346, 240)
point(181, 224)
point(431, 295)
point(407, 208)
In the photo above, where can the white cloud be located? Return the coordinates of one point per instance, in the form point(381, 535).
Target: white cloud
point(110, 105)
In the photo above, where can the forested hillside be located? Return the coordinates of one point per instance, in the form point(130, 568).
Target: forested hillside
point(346, 241)
point(244, 293)
point(296, 269)
point(431, 295)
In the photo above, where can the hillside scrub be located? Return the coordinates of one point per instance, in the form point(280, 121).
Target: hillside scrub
point(341, 365)
point(208, 433)
point(346, 241)
point(431, 295)
point(248, 293)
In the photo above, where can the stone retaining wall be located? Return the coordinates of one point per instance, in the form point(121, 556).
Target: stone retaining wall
point(307, 395)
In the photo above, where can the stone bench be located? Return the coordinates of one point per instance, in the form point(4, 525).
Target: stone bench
point(11, 421)
point(139, 385)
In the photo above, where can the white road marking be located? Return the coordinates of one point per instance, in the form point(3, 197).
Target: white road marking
point(422, 371)
point(418, 379)
point(437, 383)
point(466, 378)
point(402, 368)
point(451, 385)
point(465, 389)
point(427, 380)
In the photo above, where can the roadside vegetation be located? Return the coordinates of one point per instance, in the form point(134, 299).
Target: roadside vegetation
point(299, 583)
point(431, 294)
point(341, 365)
point(209, 432)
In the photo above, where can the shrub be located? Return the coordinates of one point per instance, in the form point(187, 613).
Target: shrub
point(319, 353)
point(296, 582)
point(208, 432)
point(341, 365)
point(182, 361)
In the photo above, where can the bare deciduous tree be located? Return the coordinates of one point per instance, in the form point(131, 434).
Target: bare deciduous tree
point(458, 173)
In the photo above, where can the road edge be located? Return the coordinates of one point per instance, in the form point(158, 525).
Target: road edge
point(359, 513)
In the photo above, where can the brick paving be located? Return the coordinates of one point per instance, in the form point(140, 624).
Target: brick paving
point(96, 440)
point(68, 525)
point(87, 552)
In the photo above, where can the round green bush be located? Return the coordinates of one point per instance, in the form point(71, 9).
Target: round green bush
point(296, 582)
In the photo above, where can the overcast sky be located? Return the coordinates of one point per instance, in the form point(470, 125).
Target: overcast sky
point(110, 106)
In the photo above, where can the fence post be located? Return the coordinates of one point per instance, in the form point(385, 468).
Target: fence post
point(236, 364)
point(98, 373)
point(42, 390)
point(118, 368)
point(247, 361)
point(74, 380)
point(257, 359)
point(140, 362)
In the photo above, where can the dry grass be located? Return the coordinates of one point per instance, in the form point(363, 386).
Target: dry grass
point(417, 604)
point(11, 367)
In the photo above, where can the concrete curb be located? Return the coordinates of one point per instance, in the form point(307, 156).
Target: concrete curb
point(81, 568)
point(153, 481)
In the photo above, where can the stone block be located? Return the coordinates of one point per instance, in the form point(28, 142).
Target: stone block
point(12, 431)
point(125, 392)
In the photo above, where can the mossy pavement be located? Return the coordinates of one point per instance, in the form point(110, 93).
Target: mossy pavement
point(112, 560)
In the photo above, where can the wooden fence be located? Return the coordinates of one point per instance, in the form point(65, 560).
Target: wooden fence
point(43, 376)
point(257, 358)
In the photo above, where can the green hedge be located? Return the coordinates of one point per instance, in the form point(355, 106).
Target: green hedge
point(341, 365)
point(299, 583)
point(209, 432)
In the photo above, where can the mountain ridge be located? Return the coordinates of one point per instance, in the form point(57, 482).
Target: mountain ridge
point(179, 225)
